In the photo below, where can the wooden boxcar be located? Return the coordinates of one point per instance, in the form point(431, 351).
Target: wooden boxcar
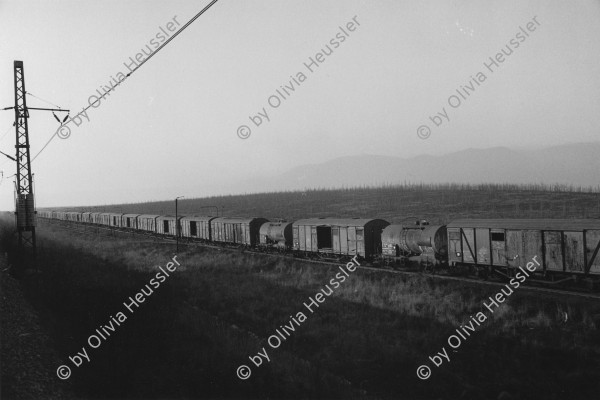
point(130, 221)
point(73, 216)
point(45, 214)
point(147, 222)
point(196, 227)
point(351, 236)
point(166, 225)
point(567, 246)
point(104, 219)
point(95, 217)
point(115, 219)
point(86, 217)
point(244, 231)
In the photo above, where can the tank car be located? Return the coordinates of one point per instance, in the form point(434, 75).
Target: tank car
point(276, 235)
point(420, 242)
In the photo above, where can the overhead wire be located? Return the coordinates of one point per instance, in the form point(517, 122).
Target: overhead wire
point(45, 101)
point(136, 68)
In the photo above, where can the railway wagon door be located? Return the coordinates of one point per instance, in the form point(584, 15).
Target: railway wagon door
point(335, 237)
point(482, 239)
point(314, 242)
point(498, 239)
point(360, 242)
point(574, 251)
point(301, 237)
point(344, 240)
point(514, 247)
point(522, 246)
point(532, 246)
point(553, 246)
point(592, 244)
point(468, 245)
point(352, 246)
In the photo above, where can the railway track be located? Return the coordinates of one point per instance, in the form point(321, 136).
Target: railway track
point(114, 233)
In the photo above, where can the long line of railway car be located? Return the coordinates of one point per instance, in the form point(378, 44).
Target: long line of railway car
point(567, 247)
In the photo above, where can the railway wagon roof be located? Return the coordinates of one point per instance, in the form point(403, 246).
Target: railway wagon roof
point(131, 215)
point(525, 224)
point(169, 217)
point(238, 220)
point(148, 216)
point(336, 221)
point(197, 218)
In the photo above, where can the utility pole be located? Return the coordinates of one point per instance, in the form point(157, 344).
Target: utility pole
point(24, 200)
point(24, 203)
point(177, 224)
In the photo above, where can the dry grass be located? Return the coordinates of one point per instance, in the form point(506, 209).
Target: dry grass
point(220, 307)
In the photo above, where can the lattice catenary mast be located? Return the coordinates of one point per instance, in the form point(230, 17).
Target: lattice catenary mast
point(24, 203)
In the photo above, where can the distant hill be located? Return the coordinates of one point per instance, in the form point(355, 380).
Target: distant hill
point(573, 164)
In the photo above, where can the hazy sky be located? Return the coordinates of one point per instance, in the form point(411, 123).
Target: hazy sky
point(171, 128)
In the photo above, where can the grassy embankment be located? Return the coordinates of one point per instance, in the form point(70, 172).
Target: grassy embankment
point(219, 308)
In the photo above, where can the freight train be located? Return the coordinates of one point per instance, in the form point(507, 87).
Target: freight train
point(568, 248)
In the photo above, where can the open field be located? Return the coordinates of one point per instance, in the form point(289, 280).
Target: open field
point(365, 341)
point(437, 203)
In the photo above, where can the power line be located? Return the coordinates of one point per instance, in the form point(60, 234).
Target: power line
point(45, 101)
point(136, 68)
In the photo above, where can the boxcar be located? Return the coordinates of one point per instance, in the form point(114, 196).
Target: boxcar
point(567, 246)
point(104, 219)
point(86, 217)
point(165, 225)
point(196, 227)
point(115, 219)
point(276, 234)
point(45, 214)
point(414, 240)
point(351, 236)
point(130, 221)
point(147, 222)
point(73, 216)
point(95, 217)
point(244, 231)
